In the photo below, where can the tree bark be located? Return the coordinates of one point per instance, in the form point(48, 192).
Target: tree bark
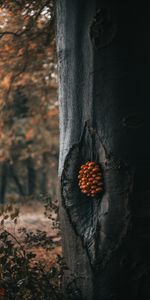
point(15, 177)
point(7, 172)
point(31, 174)
point(4, 173)
point(104, 58)
point(43, 183)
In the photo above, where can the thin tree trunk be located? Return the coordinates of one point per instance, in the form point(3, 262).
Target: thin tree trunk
point(104, 59)
point(3, 182)
point(6, 172)
point(14, 176)
point(43, 182)
point(31, 176)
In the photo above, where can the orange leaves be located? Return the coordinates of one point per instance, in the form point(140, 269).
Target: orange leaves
point(5, 82)
point(26, 63)
point(52, 112)
point(7, 48)
point(32, 46)
point(20, 52)
point(29, 134)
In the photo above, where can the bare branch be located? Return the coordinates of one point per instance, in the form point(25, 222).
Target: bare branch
point(16, 75)
point(9, 33)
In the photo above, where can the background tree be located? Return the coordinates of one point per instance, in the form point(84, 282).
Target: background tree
point(104, 60)
point(28, 103)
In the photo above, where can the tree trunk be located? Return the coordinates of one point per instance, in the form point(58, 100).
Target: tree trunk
point(4, 173)
point(7, 172)
point(15, 177)
point(43, 182)
point(31, 173)
point(104, 59)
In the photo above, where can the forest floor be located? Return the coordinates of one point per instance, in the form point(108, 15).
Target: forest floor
point(31, 216)
point(33, 220)
point(35, 229)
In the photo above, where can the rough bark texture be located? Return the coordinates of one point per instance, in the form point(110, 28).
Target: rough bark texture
point(104, 59)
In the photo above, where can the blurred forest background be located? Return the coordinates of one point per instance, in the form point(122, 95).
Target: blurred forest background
point(28, 99)
point(28, 151)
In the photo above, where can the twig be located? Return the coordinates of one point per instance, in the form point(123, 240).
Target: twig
point(16, 240)
point(9, 33)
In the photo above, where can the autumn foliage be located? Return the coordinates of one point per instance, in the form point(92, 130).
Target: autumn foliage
point(27, 73)
point(28, 82)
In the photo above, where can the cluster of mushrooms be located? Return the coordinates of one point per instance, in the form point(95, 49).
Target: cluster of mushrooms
point(90, 179)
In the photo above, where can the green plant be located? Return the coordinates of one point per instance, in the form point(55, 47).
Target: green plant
point(19, 277)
